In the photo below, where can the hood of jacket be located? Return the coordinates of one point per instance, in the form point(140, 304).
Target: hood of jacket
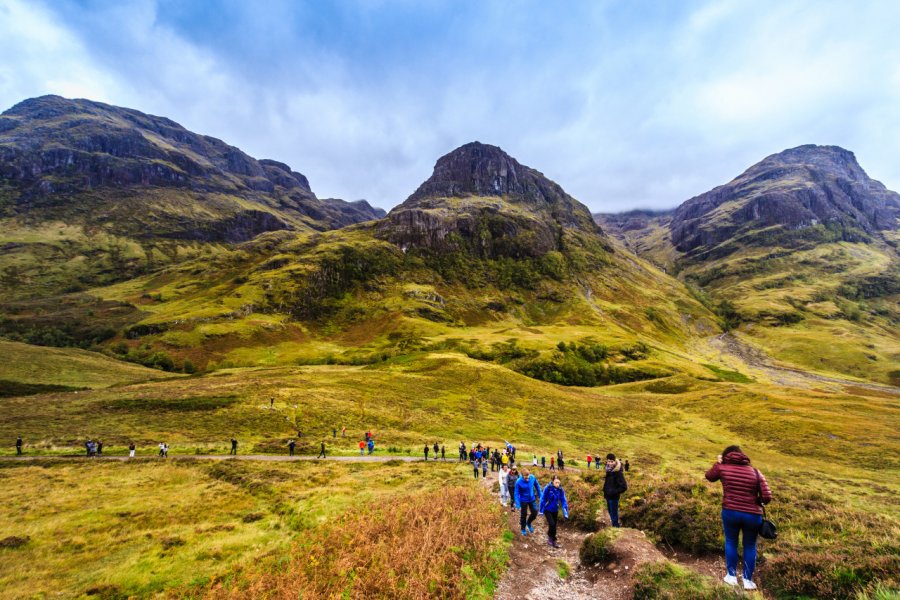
point(736, 458)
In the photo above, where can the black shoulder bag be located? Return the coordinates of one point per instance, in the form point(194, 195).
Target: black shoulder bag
point(767, 529)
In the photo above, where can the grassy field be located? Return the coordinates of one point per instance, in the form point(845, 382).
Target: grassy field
point(818, 448)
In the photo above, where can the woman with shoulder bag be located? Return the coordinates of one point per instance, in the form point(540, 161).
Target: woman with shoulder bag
point(745, 491)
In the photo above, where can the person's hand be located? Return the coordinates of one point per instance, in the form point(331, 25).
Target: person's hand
point(719, 459)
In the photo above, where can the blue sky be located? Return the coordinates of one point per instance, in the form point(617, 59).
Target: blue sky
point(626, 104)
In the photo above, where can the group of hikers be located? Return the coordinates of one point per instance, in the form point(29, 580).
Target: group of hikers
point(745, 492)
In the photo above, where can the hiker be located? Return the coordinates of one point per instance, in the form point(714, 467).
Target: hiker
point(534, 460)
point(745, 490)
point(559, 455)
point(597, 462)
point(627, 466)
point(511, 479)
point(371, 445)
point(162, 449)
point(552, 466)
point(131, 450)
point(462, 451)
point(504, 485)
point(322, 451)
point(426, 452)
point(271, 402)
point(435, 448)
point(99, 448)
point(87, 447)
point(484, 467)
point(504, 460)
point(233, 447)
point(561, 464)
point(334, 432)
point(528, 496)
point(343, 432)
point(362, 447)
point(442, 452)
point(613, 487)
point(475, 466)
point(291, 444)
point(589, 459)
point(543, 462)
point(19, 446)
point(553, 498)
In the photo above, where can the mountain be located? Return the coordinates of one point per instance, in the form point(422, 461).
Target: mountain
point(130, 191)
point(799, 252)
point(808, 193)
point(480, 198)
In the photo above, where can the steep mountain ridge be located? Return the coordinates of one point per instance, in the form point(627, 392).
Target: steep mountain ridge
point(480, 198)
point(91, 193)
point(799, 252)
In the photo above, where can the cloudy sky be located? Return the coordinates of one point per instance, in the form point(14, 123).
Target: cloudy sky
point(624, 103)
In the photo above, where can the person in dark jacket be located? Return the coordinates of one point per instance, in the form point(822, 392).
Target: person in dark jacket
point(292, 444)
point(528, 496)
point(322, 451)
point(233, 447)
point(443, 455)
point(99, 448)
point(19, 446)
point(426, 452)
point(614, 486)
point(552, 500)
point(745, 489)
point(436, 448)
point(627, 466)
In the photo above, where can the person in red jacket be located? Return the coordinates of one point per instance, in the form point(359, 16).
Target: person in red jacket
point(745, 488)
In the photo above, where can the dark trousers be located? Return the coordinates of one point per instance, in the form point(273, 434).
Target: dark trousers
point(524, 513)
point(322, 453)
point(612, 505)
point(476, 471)
point(291, 450)
point(552, 518)
point(735, 522)
point(233, 450)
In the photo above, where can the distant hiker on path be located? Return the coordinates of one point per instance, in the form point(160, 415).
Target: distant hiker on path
point(561, 464)
point(627, 466)
point(528, 496)
point(162, 449)
point(504, 485)
point(99, 448)
point(436, 448)
point(19, 446)
point(484, 466)
point(442, 452)
point(426, 452)
point(371, 446)
point(589, 459)
point(534, 460)
point(475, 467)
point(362, 447)
point(613, 487)
point(233, 447)
point(552, 467)
point(343, 432)
point(322, 451)
point(511, 479)
point(552, 500)
point(543, 462)
point(745, 490)
point(292, 444)
point(131, 450)
point(271, 402)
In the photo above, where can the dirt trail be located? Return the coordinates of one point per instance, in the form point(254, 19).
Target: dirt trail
point(728, 344)
point(533, 572)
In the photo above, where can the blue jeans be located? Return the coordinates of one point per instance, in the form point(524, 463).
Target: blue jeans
point(612, 505)
point(735, 522)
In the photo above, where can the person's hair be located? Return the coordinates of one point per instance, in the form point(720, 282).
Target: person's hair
point(610, 456)
point(731, 449)
point(525, 471)
point(555, 478)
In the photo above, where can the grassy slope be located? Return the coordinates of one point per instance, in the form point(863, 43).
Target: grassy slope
point(70, 367)
point(840, 447)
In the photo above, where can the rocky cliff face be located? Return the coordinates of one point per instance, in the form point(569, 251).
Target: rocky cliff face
point(57, 153)
point(481, 199)
point(803, 192)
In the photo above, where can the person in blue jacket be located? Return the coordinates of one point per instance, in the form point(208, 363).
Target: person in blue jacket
point(528, 495)
point(553, 499)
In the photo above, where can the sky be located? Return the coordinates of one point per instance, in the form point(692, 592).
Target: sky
point(626, 104)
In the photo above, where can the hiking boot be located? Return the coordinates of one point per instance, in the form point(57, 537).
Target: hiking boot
point(530, 529)
point(730, 580)
point(524, 533)
point(749, 585)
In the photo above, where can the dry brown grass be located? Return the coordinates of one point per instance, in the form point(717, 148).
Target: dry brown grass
point(439, 544)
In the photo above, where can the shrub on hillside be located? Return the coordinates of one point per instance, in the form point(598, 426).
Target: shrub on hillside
point(376, 552)
point(597, 547)
point(668, 581)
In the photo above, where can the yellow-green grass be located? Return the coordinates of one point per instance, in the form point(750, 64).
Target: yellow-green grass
point(840, 448)
point(143, 527)
point(70, 367)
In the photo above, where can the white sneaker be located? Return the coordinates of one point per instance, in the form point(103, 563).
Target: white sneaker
point(749, 585)
point(730, 580)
